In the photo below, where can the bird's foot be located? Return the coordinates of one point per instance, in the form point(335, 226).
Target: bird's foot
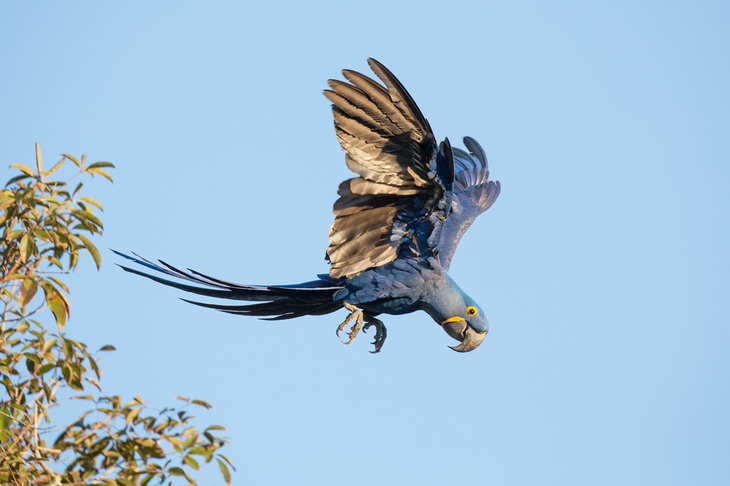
point(359, 317)
point(380, 332)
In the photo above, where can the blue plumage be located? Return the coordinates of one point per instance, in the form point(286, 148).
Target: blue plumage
point(397, 224)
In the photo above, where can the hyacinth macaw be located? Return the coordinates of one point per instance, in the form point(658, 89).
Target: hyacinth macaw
point(397, 224)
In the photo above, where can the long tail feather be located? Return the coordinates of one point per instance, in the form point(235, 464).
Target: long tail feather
point(273, 302)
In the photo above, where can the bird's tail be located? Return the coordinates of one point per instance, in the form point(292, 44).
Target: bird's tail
point(273, 302)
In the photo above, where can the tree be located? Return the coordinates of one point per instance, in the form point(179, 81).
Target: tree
point(46, 228)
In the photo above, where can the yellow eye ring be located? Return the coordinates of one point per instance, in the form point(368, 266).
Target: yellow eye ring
point(471, 311)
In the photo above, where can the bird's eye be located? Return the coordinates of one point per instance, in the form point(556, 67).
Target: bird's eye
point(471, 310)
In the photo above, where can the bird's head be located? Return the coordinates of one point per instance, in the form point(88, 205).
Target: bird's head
point(468, 326)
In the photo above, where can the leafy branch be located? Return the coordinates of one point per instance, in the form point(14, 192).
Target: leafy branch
point(45, 228)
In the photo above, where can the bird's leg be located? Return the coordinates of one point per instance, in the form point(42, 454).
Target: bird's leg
point(380, 332)
point(356, 314)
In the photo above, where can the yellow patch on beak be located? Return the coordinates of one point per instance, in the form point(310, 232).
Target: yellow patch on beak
point(453, 319)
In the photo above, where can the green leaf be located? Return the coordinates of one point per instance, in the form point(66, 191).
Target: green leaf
point(73, 258)
point(68, 349)
point(27, 246)
point(94, 366)
point(55, 262)
point(176, 471)
point(57, 303)
point(59, 283)
point(100, 164)
point(42, 235)
point(228, 461)
point(83, 397)
point(46, 368)
point(87, 215)
point(5, 419)
point(78, 188)
point(190, 441)
point(192, 462)
point(225, 471)
point(91, 249)
point(16, 179)
point(107, 347)
point(177, 443)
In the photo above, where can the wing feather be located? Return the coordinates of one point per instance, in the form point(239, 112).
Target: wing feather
point(402, 179)
point(473, 194)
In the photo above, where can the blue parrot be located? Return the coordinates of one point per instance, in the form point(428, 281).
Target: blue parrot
point(396, 227)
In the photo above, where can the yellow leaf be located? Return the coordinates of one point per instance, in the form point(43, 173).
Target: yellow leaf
point(24, 169)
point(72, 159)
point(133, 415)
point(94, 382)
point(6, 199)
point(38, 159)
point(100, 172)
point(59, 283)
point(91, 201)
point(55, 167)
point(49, 344)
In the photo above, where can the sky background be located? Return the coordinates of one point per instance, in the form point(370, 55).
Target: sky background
point(603, 267)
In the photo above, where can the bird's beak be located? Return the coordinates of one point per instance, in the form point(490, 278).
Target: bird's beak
point(457, 328)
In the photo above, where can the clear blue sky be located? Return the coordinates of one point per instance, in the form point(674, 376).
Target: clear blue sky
point(603, 267)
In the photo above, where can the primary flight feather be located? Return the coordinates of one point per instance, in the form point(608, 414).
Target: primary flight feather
point(397, 224)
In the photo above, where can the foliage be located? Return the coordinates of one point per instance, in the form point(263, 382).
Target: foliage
point(46, 227)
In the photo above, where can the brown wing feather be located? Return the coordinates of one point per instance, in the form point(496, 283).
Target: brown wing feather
point(389, 144)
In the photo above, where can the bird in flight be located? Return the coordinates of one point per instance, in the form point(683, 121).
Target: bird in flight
point(396, 227)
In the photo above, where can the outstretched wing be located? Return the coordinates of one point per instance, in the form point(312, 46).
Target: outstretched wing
point(473, 194)
point(404, 184)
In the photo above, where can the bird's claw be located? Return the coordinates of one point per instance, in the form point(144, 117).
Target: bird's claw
point(359, 317)
point(380, 333)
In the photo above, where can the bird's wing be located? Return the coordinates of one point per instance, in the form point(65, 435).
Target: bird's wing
point(404, 182)
point(473, 194)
